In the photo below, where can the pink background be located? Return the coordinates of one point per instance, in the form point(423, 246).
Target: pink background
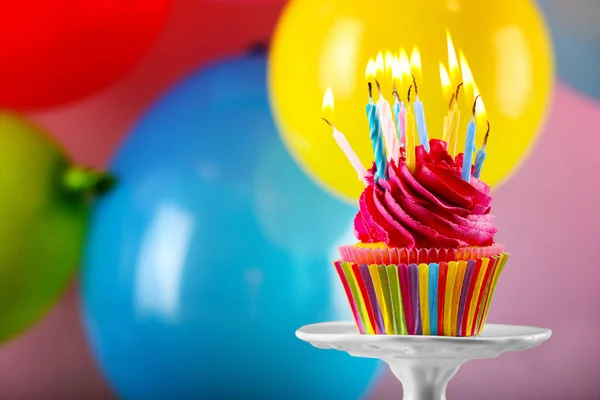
point(547, 216)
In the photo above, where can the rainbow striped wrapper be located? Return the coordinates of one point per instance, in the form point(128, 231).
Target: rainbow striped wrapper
point(443, 299)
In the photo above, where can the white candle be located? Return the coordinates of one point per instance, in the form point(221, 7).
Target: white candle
point(389, 129)
point(349, 152)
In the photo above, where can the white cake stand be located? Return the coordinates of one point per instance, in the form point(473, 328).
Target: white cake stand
point(424, 364)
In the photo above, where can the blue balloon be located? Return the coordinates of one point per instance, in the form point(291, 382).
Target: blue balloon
point(212, 250)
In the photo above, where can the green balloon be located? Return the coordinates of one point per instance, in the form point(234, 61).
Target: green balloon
point(44, 204)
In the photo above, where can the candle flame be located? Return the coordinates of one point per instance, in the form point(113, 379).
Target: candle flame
point(446, 83)
point(371, 70)
point(415, 59)
point(328, 100)
point(379, 63)
point(467, 76)
point(466, 71)
point(452, 60)
point(480, 112)
point(404, 68)
point(396, 69)
point(390, 65)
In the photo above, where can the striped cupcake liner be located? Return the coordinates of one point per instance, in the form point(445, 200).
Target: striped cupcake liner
point(379, 253)
point(443, 299)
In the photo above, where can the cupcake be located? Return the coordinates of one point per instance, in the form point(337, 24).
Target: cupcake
point(426, 262)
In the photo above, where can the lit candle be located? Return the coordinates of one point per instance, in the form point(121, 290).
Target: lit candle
point(404, 70)
point(390, 61)
point(447, 94)
point(452, 62)
point(453, 123)
point(385, 112)
point(376, 135)
point(399, 112)
point(481, 154)
point(420, 116)
point(453, 111)
point(415, 64)
point(396, 78)
point(409, 135)
point(341, 140)
point(470, 88)
point(405, 82)
point(396, 110)
point(470, 145)
point(402, 127)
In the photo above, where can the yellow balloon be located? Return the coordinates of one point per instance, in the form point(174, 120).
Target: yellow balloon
point(327, 43)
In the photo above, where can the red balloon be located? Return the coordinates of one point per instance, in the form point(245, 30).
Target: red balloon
point(53, 52)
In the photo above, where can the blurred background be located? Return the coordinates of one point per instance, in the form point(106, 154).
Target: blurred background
point(170, 202)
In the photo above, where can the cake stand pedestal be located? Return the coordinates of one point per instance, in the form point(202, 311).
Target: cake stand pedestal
point(424, 364)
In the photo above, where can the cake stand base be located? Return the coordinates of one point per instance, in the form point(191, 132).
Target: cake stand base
point(424, 364)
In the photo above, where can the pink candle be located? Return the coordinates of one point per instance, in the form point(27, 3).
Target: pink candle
point(402, 123)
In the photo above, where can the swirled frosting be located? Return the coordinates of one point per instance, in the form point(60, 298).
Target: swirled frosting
point(431, 207)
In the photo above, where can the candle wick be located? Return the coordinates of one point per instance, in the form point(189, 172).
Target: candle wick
point(451, 102)
point(378, 87)
point(396, 95)
point(370, 90)
point(475, 105)
point(415, 83)
point(457, 91)
point(328, 123)
point(487, 134)
point(408, 95)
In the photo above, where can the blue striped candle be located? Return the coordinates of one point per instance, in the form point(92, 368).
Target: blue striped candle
point(421, 125)
point(376, 134)
point(469, 149)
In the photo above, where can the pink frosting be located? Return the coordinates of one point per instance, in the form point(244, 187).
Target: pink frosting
point(432, 207)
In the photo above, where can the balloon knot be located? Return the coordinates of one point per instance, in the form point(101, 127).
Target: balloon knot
point(88, 181)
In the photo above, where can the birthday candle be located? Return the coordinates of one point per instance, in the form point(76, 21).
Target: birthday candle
point(376, 135)
point(349, 152)
point(479, 159)
point(387, 126)
point(446, 87)
point(415, 63)
point(383, 106)
point(451, 78)
point(399, 112)
point(453, 122)
point(409, 135)
point(453, 125)
point(469, 146)
point(396, 110)
point(421, 126)
point(328, 104)
point(469, 149)
point(402, 126)
point(481, 154)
